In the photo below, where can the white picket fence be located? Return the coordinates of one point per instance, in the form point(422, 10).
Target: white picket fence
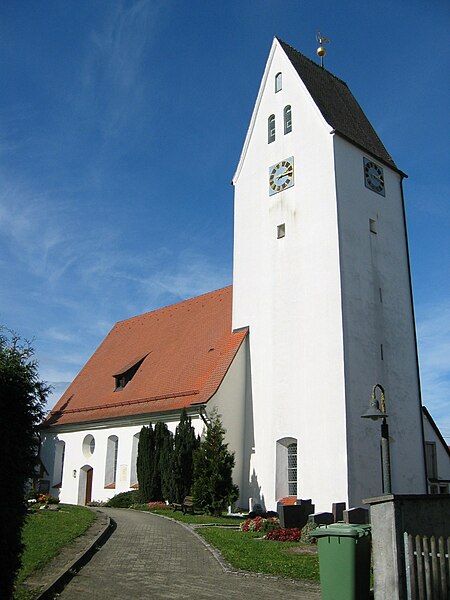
point(427, 567)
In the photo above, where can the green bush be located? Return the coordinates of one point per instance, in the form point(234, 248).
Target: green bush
point(22, 397)
point(124, 500)
point(213, 487)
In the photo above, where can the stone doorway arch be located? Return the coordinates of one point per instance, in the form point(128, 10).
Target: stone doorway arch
point(85, 485)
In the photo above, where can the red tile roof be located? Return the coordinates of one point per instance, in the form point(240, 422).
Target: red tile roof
point(187, 349)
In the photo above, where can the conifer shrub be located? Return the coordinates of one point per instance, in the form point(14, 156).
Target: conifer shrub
point(184, 446)
point(213, 487)
point(162, 463)
point(145, 463)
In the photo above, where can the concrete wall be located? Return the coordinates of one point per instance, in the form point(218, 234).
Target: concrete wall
point(391, 517)
point(288, 292)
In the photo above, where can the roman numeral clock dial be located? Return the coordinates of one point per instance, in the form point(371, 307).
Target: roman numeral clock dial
point(281, 176)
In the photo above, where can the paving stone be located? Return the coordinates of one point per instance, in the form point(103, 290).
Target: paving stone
point(151, 557)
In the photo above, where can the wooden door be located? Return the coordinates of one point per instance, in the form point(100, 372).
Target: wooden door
point(88, 496)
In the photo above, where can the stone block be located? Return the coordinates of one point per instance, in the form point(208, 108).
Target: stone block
point(356, 515)
point(338, 511)
point(294, 515)
point(323, 518)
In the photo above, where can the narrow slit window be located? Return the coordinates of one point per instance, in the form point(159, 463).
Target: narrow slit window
point(381, 352)
point(373, 225)
point(287, 119)
point(281, 231)
point(271, 129)
point(112, 448)
point(278, 82)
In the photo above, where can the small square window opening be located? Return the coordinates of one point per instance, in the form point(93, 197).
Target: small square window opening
point(281, 231)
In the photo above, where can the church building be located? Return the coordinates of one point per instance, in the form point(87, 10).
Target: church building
point(320, 311)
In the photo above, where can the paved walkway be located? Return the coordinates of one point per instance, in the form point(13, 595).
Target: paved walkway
point(154, 558)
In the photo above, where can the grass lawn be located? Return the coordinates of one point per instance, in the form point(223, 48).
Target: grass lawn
point(45, 533)
point(188, 518)
point(244, 551)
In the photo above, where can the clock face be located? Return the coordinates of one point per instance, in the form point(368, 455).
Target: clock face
point(373, 177)
point(281, 176)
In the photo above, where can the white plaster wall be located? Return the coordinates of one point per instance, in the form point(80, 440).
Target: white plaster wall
point(288, 292)
point(370, 262)
point(230, 403)
point(442, 457)
point(75, 459)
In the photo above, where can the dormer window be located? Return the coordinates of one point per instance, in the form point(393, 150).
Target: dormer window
point(278, 82)
point(127, 373)
point(287, 119)
point(271, 129)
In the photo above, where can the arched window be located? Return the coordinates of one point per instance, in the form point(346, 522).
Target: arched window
point(271, 129)
point(58, 468)
point(133, 470)
point(278, 82)
point(112, 448)
point(286, 467)
point(292, 469)
point(287, 119)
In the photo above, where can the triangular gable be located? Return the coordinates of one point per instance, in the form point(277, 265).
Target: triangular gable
point(333, 101)
point(275, 44)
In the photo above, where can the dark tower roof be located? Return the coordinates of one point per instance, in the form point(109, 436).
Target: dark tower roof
point(338, 105)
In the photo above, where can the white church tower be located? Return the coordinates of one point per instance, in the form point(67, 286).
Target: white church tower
point(321, 278)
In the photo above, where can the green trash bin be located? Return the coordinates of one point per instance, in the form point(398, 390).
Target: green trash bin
point(344, 561)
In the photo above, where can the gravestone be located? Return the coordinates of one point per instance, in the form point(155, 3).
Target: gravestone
point(295, 515)
point(338, 511)
point(323, 518)
point(357, 515)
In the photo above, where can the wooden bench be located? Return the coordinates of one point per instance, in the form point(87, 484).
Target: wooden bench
point(188, 505)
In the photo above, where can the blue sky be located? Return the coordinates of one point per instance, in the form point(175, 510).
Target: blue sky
point(121, 124)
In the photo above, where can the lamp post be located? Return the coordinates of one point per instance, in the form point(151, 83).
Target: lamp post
point(375, 413)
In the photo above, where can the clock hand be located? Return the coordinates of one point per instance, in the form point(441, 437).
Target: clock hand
point(285, 174)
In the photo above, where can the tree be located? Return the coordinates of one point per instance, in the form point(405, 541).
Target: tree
point(166, 467)
point(185, 445)
point(213, 486)
point(154, 463)
point(145, 462)
point(22, 399)
point(161, 460)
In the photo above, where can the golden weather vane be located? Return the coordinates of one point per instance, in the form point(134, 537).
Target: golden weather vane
point(321, 50)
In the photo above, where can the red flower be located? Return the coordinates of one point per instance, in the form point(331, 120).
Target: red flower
point(284, 535)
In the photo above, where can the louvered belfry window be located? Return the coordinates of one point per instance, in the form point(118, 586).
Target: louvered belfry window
point(287, 119)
